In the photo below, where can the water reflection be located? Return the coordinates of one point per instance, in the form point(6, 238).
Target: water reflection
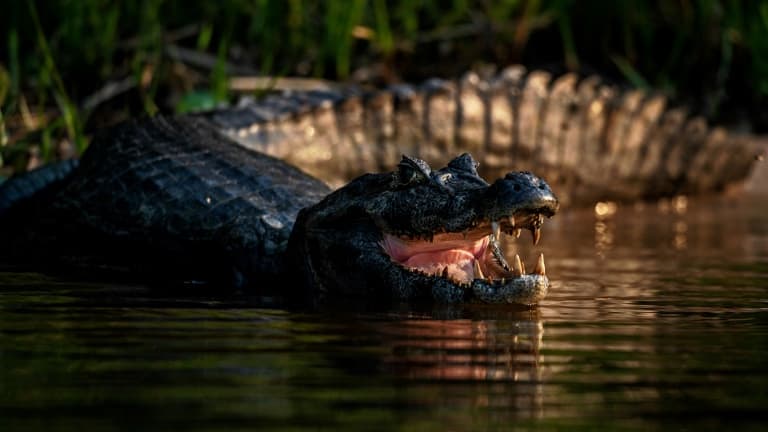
point(484, 350)
point(657, 319)
point(499, 349)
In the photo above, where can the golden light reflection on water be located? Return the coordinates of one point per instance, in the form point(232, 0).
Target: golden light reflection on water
point(604, 211)
point(675, 208)
point(681, 240)
point(501, 349)
point(677, 205)
point(466, 349)
point(603, 238)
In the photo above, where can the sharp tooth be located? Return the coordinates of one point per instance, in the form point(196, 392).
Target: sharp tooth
point(498, 254)
point(518, 269)
point(496, 230)
point(540, 269)
point(517, 232)
point(478, 271)
point(511, 220)
point(445, 272)
point(536, 233)
point(503, 281)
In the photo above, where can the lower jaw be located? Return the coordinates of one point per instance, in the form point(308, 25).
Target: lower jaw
point(524, 290)
point(470, 271)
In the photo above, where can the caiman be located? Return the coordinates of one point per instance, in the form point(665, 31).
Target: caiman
point(199, 196)
point(176, 198)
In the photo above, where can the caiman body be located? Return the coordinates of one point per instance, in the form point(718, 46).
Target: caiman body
point(178, 201)
point(199, 197)
point(168, 193)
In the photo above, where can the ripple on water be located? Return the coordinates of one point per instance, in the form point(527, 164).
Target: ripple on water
point(655, 319)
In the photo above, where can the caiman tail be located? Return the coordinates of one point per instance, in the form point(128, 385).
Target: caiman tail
point(34, 185)
point(592, 140)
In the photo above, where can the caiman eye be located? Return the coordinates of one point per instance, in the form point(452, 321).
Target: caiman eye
point(411, 171)
point(407, 175)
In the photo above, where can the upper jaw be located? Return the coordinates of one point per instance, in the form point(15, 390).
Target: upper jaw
point(519, 192)
point(514, 224)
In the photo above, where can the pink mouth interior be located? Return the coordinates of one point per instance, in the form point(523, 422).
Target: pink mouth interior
point(446, 251)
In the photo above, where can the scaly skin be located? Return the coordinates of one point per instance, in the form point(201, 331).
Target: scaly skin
point(173, 197)
point(592, 141)
point(439, 207)
point(177, 199)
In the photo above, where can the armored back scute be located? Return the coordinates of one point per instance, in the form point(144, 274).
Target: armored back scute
point(592, 141)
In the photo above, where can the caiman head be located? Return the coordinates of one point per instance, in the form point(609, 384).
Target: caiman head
point(418, 233)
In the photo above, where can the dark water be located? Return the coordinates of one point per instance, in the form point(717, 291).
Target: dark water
point(657, 319)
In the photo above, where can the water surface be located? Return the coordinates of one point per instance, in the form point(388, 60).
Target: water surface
point(657, 319)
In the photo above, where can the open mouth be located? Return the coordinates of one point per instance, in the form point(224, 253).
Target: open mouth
point(473, 256)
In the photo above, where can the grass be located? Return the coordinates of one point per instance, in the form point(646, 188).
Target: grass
point(59, 58)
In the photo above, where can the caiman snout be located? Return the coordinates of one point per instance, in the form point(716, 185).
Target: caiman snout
point(521, 192)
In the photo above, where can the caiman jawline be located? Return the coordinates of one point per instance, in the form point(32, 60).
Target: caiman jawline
point(466, 256)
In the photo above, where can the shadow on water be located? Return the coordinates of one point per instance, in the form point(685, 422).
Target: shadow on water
point(656, 318)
